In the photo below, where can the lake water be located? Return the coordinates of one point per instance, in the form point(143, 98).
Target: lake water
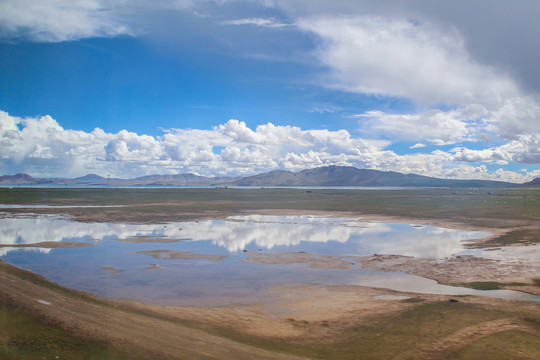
point(203, 262)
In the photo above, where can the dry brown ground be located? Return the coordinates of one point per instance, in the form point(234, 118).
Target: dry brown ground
point(459, 270)
point(48, 245)
point(301, 316)
point(474, 333)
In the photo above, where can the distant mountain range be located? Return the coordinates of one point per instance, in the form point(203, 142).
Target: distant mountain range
point(96, 180)
point(321, 176)
point(351, 176)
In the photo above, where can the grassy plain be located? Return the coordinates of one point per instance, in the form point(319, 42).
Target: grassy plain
point(422, 327)
point(483, 207)
point(24, 336)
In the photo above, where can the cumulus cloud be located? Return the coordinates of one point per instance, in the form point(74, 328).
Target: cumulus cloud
point(431, 63)
point(524, 149)
point(38, 143)
point(517, 116)
point(435, 126)
point(42, 147)
point(516, 122)
point(397, 57)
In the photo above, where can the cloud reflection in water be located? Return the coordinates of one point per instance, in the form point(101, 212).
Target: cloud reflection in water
point(332, 236)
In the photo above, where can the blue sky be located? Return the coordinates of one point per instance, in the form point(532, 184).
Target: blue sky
point(130, 88)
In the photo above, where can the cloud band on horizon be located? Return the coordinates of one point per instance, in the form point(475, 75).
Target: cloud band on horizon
point(33, 144)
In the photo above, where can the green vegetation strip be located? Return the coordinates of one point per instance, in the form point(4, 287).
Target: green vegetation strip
point(25, 337)
point(522, 236)
point(399, 336)
point(491, 285)
point(501, 346)
point(494, 208)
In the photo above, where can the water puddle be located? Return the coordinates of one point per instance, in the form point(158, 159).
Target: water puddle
point(204, 262)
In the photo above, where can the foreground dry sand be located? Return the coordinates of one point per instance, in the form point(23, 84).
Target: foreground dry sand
point(301, 316)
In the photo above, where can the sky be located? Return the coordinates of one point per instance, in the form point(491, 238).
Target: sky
point(127, 88)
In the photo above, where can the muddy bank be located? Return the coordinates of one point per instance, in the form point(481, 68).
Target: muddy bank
point(456, 271)
point(169, 254)
point(123, 328)
point(48, 245)
point(460, 270)
point(305, 320)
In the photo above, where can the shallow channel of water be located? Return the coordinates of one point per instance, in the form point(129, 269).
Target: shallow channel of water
point(202, 262)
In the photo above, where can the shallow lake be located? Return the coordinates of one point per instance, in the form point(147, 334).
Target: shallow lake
point(203, 262)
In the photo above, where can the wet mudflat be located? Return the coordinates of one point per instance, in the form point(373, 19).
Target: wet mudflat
point(228, 262)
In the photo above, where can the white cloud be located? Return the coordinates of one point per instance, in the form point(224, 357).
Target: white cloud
point(324, 109)
point(128, 146)
point(61, 20)
point(41, 143)
point(396, 57)
point(517, 116)
point(307, 160)
point(435, 126)
point(524, 149)
point(517, 122)
point(263, 22)
point(69, 20)
point(41, 152)
point(41, 147)
point(430, 64)
point(418, 146)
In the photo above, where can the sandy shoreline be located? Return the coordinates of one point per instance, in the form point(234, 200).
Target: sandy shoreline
point(299, 316)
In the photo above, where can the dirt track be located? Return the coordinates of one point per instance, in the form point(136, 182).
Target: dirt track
point(473, 333)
